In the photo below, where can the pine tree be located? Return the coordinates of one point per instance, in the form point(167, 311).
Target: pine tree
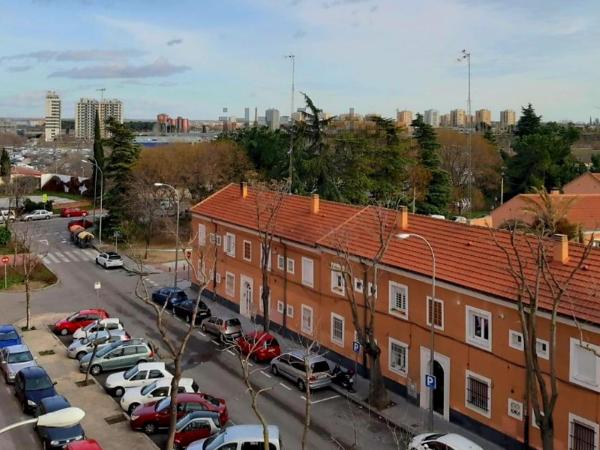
point(5, 164)
point(529, 122)
point(98, 150)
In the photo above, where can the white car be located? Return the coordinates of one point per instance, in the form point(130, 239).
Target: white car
point(111, 324)
point(448, 441)
point(5, 215)
point(138, 376)
point(38, 214)
point(136, 396)
point(109, 260)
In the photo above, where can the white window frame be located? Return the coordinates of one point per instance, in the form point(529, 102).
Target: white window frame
point(290, 311)
point(441, 302)
point(337, 278)
point(585, 422)
point(229, 244)
point(542, 354)
point(305, 279)
point(518, 416)
point(470, 332)
point(281, 262)
point(305, 330)
point(372, 289)
point(291, 265)
point(211, 238)
point(358, 285)
point(514, 333)
point(230, 292)
point(280, 307)
point(201, 234)
point(482, 379)
point(575, 378)
point(244, 250)
point(335, 340)
point(403, 314)
point(217, 277)
point(400, 371)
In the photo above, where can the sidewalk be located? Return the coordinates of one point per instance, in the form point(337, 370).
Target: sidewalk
point(98, 406)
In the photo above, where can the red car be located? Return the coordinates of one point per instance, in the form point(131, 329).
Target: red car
point(195, 426)
point(153, 416)
point(260, 345)
point(73, 212)
point(88, 444)
point(78, 320)
point(81, 222)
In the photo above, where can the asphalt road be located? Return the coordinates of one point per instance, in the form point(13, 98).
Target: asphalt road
point(335, 422)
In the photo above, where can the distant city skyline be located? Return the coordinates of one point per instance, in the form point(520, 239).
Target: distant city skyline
point(349, 53)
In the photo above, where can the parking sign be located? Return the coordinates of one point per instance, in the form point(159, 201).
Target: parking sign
point(430, 381)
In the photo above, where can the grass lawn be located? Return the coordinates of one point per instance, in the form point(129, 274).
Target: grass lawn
point(75, 198)
point(41, 277)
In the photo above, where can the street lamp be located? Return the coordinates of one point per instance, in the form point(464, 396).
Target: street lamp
point(176, 229)
point(63, 418)
point(466, 55)
point(292, 57)
point(97, 166)
point(403, 236)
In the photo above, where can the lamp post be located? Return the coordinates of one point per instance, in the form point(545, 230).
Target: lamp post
point(292, 57)
point(403, 236)
point(466, 55)
point(96, 165)
point(62, 418)
point(176, 229)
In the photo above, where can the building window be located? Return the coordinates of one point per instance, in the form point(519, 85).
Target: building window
point(438, 313)
point(372, 290)
point(248, 250)
point(201, 234)
point(358, 285)
point(398, 299)
point(515, 409)
point(583, 433)
point(230, 284)
point(584, 369)
point(479, 328)
point(230, 244)
point(307, 272)
point(398, 352)
point(280, 307)
point(542, 348)
point(281, 262)
point(478, 394)
point(515, 340)
point(291, 265)
point(290, 311)
point(337, 329)
point(211, 238)
point(337, 280)
point(307, 319)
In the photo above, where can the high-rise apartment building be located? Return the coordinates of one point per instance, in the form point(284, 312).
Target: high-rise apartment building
point(432, 117)
point(404, 118)
point(247, 116)
point(109, 108)
point(52, 127)
point(272, 118)
point(458, 118)
point(85, 114)
point(445, 120)
point(508, 118)
point(483, 116)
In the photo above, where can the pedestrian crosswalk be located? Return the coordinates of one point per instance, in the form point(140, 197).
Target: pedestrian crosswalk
point(71, 256)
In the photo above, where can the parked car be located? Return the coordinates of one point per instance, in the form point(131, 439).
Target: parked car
point(9, 336)
point(109, 260)
point(226, 328)
point(136, 396)
point(140, 375)
point(239, 436)
point(7, 215)
point(38, 214)
point(57, 437)
point(32, 384)
point(81, 347)
point(87, 444)
point(120, 355)
point(79, 319)
point(291, 365)
point(111, 323)
point(171, 296)
point(185, 310)
point(13, 359)
point(196, 425)
point(155, 415)
point(446, 441)
point(259, 345)
point(73, 212)
point(83, 223)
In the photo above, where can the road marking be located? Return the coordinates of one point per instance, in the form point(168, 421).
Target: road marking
point(250, 364)
point(52, 257)
point(203, 334)
point(265, 374)
point(323, 399)
point(215, 342)
point(91, 253)
point(286, 386)
point(229, 351)
point(62, 257)
point(76, 256)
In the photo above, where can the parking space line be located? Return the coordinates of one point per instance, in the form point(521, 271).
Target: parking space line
point(265, 374)
point(286, 386)
point(229, 351)
point(203, 334)
point(215, 342)
point(323, 399)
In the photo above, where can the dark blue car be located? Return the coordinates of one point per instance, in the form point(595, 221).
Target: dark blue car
point(53, 437)
point(32, 384)
point(172, 296)
point(9, 336)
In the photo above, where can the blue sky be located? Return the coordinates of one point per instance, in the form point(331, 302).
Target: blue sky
point(192, 58)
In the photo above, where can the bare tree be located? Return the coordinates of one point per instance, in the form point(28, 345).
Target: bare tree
point(145, 209)
point(19, 187)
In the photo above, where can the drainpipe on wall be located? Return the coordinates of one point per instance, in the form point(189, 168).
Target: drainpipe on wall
point(285, 279)
point(365, 293)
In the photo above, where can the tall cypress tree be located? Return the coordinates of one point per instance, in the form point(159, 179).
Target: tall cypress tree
point(529, 122)
point(5, 164)
point(98, 150)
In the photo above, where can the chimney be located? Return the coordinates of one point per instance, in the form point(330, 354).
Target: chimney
point(403, 218)
point(561, 248)
point(244, 189)
point(314, 204)
point(554, 191)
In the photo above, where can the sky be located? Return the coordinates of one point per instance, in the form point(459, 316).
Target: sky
point(192, 58)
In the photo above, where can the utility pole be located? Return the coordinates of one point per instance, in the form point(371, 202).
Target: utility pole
point(292, 57)
point(101, 90)
point(466, 55)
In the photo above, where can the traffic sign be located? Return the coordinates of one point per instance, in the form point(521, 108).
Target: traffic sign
point(97, 285)
point(45, 198)
point(356, 347)
point(430, 381)
point(5, 259)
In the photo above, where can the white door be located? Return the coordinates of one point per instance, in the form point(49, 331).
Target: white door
point(246, 296)
point(444, 384)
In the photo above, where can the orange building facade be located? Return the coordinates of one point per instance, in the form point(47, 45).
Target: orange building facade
point(479, 359)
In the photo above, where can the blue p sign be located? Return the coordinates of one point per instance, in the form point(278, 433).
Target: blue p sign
point(430, 381)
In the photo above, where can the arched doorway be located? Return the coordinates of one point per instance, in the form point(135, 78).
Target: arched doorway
point(438, 393)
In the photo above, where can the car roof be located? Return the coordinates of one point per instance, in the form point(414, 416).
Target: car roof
point(16, 348)
point(458, 441)
point(301, 354)
point(201, 415)
point(191, 397)
point(93, 310)
point(88, 444)
point(55, 403)
point(167, 382)
point(151, 365)
point(33, 372)
point(6, 328)
point(250, 433)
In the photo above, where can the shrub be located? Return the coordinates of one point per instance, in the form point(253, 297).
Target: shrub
point(4, 236)
point(29, 205)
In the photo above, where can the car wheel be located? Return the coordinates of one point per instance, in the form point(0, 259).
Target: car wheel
point(96, 370)
point(301, 385)
point(274, 369)
point(29, 219)
point(119, 391)
point(203, 328)
point(150, 428)
point(47, 217)
point(64, 332)
point(80, 355)
point(130, 410)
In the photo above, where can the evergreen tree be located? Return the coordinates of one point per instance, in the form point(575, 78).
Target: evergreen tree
point(5, 164)
point(98, 155)
point(595, 163)
point(437, 196)
point(529, 122)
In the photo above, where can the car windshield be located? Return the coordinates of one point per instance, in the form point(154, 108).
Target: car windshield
point(214, 441)
point(163, 404)
point(90, 326)
point(39, 383)
point(148, 388)
point(233, 322)
point(320, 366)
point(20, 357)
point(183, 422)
point(131, 372)
point(72, 316)
point(8, 336)
point(103, 351)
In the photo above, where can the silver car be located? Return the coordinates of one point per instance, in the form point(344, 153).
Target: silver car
point(292, 365)
point(226, 328)
point(81, 347)
point(38, 214)
point(13, 359)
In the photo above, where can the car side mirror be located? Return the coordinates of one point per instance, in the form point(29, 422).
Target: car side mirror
point(54, 383)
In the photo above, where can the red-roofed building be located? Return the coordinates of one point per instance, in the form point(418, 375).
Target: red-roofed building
point(588, 183)
point(479, 359)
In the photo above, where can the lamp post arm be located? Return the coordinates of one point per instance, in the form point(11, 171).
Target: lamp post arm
point(18, 424)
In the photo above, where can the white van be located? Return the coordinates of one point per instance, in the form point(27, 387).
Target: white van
point(247, 437)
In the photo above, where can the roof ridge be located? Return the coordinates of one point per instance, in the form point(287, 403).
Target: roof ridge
point(357, 213)
point(212, 195)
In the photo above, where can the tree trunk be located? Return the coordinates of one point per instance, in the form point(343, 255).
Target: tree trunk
point(266, 290)
point(173, 405)
point(27, 304)
point(378, 395)
point(547, 437)
point(307, 405)
point(254, 403)
point(87, 372)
